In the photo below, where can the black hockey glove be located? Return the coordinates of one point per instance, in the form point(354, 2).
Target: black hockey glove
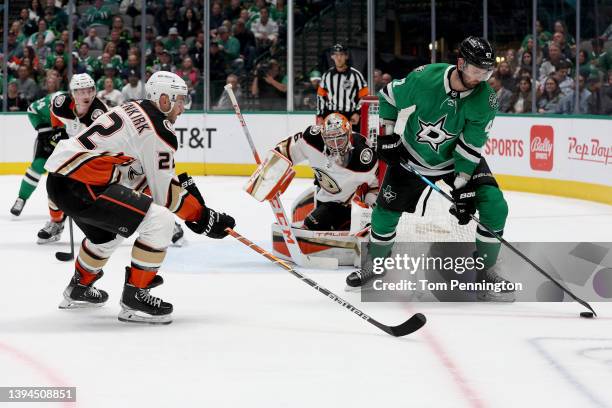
point(51, 138)
point(465, 204)
point(212, 223)
point(391, 150)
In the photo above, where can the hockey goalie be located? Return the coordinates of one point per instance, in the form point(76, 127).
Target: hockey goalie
point(346, 181)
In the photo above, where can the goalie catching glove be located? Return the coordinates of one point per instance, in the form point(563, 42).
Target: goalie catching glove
point(272, 177)
point(211, 223)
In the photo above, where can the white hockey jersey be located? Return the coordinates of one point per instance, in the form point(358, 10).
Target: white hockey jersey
point(336, 182)
point(63, 113)
point(132, 144)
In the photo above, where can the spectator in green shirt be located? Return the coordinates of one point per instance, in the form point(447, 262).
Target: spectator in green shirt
point(98, 14)
point(85, 60)
point(173, 41)
point(279, 12)
point(59, 52)
point(42, 29)
point(109, 72)
point(230, 48)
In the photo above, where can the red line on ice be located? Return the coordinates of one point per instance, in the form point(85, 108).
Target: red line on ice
point(468, 392)
point(54, 379)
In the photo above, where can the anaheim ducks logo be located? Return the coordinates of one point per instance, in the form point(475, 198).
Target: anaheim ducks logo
point(133, 173)
point(59, 100)
point(168, 125)
point(366, 156)
point(433, 134)
point(96, 114)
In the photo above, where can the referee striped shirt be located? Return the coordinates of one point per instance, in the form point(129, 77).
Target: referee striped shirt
point(340, 91)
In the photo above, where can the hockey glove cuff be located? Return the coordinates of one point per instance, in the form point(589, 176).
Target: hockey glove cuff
point(391, 150)
point(212, 224)
point(465, 204)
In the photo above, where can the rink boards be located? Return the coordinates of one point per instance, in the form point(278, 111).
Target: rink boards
point(560, 155)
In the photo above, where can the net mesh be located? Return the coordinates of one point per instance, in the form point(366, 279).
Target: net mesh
point(431, 222)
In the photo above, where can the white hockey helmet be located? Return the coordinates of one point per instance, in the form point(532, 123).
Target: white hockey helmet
point(164, 82)
point(81, 81)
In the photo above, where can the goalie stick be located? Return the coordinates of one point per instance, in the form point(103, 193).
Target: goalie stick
point(411, 325)
point(277, 207)
point(411, 169)
point(67, 256)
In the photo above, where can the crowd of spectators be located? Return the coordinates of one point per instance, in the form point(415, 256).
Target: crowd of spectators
point(247, 50)
point(245, 37)
point(554, 82)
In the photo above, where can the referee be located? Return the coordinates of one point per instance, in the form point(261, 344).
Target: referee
point(341, 88)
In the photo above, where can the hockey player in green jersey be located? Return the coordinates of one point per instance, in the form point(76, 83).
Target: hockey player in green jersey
point(438, 119)
point(39, 114)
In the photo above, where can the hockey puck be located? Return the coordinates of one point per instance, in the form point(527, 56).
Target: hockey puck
point(587, 315)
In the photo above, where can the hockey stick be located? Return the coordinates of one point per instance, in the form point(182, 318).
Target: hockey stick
point(409, 326)
point(277, 208)
point(67, 256)
point(411, 169)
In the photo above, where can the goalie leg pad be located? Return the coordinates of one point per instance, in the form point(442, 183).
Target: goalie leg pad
point(272, 177)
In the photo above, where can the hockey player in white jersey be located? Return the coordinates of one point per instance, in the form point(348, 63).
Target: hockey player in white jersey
point(73, 111)
point(98, 178)
point(344, 166)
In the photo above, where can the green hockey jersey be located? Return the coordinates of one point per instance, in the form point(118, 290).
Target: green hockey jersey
point(39, 111)
point(443, 130)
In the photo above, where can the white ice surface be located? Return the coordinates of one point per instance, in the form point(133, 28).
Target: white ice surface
point(247, 334)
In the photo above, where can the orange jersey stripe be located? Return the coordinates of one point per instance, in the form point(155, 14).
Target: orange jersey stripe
point(99, 171)
point(190, 209)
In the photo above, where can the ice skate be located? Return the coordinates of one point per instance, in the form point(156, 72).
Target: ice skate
point(491, 275)
point(17, 208)
point(78, 296)
point(51, 232)
point(139, 306)
point(178, 235)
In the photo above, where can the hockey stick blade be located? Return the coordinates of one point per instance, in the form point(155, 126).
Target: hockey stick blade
point(64, 256)
point(409, 326)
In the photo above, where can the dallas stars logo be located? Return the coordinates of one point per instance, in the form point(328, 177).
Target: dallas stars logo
point(388, 194)
point(433, 133)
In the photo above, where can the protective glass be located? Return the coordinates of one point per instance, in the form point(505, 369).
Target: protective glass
point(184, 100)
point(474, 72)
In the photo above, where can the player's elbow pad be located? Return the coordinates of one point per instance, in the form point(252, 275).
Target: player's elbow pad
point(272, 177)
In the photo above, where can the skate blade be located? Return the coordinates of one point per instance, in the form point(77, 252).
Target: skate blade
point(496, 297)
point(134, 316)
point(42, 241)
point(353, 289)
point(179, 242)
point(77, 304)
